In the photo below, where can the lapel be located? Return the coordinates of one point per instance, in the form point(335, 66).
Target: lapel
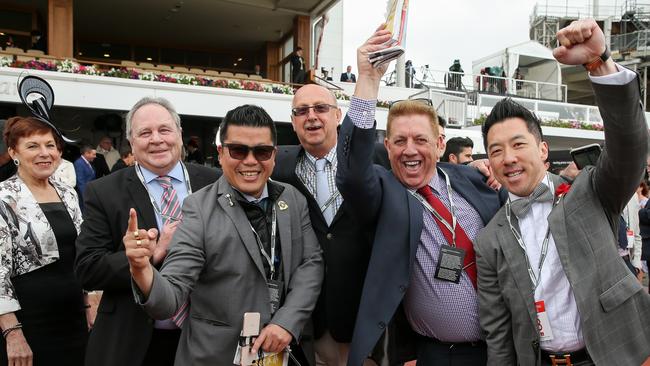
point(196, 181)
point(556, 221)
point(415, 225)
point(284, 226)
point(141, 200)
point(516, 262)
point(226, 196)
point(468, 191)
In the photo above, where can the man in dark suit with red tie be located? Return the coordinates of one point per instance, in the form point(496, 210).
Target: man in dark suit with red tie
point(424, 217)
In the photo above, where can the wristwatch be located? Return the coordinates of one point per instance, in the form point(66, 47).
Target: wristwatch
point(595, 63)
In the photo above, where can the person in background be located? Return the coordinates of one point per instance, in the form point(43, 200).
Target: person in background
point(194, 154)
point(126, 159)
point(84, 170)
point(297, 67)
point(442, 137)
point(7, 166)
point(111, 155)
point(458, 151)
point(258, 70)
point(42, 305)
point(348, 76)
point(66, 174)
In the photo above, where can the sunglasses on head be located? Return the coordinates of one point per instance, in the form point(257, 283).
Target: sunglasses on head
point(318, 108)
point(424, 101)
point(240, 151)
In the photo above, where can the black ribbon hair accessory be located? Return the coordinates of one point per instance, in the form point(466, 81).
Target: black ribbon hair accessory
point(37, 95)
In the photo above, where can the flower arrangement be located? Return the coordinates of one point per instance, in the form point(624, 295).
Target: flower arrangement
point(5, 61)
point(555, 123)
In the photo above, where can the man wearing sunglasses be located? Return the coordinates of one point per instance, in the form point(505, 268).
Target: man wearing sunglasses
point(424, 216)
point(246, 245)
point(311, 168)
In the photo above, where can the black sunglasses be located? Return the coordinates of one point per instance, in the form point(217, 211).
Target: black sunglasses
point(240, 152)
point(318, 108)
point(425, 101)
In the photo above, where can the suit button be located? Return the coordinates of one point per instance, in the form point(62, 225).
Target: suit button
point(402, 288)
point(535, 344)
point(381, 325)
point(329, 236)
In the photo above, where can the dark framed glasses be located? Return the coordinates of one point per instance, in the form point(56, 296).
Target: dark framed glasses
point(424, 101)
point(240, 151)
point(318, 108)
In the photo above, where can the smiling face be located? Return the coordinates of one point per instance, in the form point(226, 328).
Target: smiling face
point(316, 131)
point(38, 155)
point(248, 176)
point(412, 149)
point(516, 156)
point(155, 139)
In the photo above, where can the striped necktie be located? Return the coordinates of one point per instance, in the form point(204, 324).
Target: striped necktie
point(170, 212)
point(171, 205)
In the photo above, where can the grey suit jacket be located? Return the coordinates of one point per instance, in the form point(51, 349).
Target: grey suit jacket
point(613, 308)
point(215, 260)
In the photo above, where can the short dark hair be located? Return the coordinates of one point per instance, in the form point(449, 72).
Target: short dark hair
point(85, 148)
point(455, 146)
point(247, 115)
point(442, 122)
point(508, 108)
point(125, 151)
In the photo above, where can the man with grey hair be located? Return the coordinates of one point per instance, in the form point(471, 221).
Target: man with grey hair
point(105, 147)
point(155, 187)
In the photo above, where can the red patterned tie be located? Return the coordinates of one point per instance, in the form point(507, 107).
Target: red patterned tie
point(171, 205)
point(462, 241)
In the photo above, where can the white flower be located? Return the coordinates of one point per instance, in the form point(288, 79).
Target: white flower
point(5, 61)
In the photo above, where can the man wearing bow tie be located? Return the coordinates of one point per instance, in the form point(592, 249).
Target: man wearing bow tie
point(552, 287)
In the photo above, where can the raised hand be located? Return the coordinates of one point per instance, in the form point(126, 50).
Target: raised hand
point(367, 86)
point(581, 42)
point(139, 245)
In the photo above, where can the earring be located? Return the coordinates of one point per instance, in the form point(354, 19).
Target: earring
point(17, 162)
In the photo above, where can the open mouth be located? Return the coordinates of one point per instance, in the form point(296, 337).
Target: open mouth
point(249, 175)
point(313, 128)
point(514, 174)
point(44, 164)
point(412, 165)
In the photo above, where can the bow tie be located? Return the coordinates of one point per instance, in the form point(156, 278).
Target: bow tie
point(521, 206)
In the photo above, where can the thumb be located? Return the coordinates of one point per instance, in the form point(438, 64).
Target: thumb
point(560, 52)
point(153, 234)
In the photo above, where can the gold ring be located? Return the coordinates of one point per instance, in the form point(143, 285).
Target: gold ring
point(138, 242)
point(136, 234)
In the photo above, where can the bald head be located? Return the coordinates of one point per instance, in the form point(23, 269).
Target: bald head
point(316, 129)
point(313, 90)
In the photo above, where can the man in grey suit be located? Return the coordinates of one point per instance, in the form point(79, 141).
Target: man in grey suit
point(241, 239)
point(552, 287)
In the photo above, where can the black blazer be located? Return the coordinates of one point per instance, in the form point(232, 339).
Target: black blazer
point(385, 206)
point(344, 77)
point(122, 330)
point(346, 248)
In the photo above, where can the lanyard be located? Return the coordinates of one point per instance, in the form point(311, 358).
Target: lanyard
point(138, 172)
point(451, 227)
point(534, 278)
point(270, 259)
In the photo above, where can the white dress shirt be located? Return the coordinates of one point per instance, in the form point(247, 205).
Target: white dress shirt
point(554, 288)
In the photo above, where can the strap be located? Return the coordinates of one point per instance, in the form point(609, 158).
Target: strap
point(460, 239)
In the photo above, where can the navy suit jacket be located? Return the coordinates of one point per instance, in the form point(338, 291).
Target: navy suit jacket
point(85, 173)
point(380, 200)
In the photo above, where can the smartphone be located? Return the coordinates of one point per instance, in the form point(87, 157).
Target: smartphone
point(586, 155)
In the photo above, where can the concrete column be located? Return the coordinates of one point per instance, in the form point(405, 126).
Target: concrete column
point(60, 28)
